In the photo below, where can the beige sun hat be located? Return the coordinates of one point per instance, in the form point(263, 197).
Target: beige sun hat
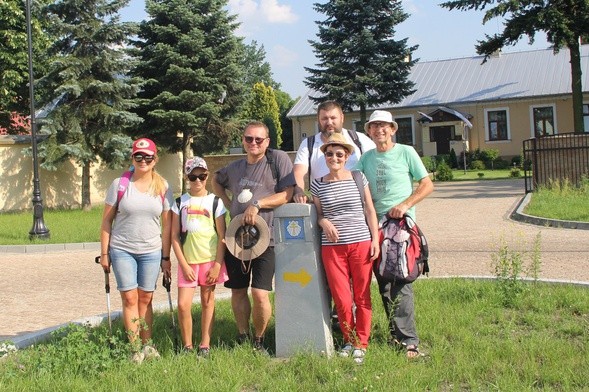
point(247, 242)
point(338, 139)
point(382, 116)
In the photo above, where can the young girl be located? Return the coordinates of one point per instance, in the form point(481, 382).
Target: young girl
point(197, 233)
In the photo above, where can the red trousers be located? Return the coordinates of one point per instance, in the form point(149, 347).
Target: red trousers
point(345, 263)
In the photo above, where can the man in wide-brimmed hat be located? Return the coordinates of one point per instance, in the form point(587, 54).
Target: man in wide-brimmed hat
point(258, 183)
point(391, 169)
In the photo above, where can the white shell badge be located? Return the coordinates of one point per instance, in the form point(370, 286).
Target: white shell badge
point(244, 196)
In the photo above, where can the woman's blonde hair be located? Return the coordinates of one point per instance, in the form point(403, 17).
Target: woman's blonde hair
point(158, 184)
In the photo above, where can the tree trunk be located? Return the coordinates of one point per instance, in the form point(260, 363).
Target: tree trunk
point(86, 203)
point(186, 141)
point(576, 87)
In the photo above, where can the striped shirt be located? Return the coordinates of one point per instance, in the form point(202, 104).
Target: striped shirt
point(341, 204)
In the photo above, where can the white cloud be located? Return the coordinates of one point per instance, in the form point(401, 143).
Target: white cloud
point(276, 13)
point(281, 56)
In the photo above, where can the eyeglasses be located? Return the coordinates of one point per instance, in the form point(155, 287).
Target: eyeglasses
point(378, 124)
point(250, 139)
point(140, 157)
point(338, 154)
point(202, 177)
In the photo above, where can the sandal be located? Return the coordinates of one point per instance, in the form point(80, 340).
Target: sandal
point(412, 351)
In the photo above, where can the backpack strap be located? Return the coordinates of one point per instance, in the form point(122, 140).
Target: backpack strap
point(357, 175)
point(215, 204)
point(355, 139)
point(273, 166)
point(182, 233)
point(123, 185)
point(310, 143)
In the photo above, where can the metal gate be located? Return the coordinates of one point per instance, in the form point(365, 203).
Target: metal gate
point(555, 158)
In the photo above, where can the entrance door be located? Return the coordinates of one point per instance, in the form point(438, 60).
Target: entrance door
point(442, 137)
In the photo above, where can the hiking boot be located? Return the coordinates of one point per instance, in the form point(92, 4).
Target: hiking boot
point(346, 351)
point(150, 352)
point(358, 355)
point(259, 347)
point(242, 338)
point(203, 352)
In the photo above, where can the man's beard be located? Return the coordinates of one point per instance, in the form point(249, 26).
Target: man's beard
point(327, 133)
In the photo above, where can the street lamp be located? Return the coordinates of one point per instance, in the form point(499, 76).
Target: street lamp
point(38, 230)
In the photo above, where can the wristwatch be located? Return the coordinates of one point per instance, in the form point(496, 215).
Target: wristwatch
point(256, 204)
point(167, 258)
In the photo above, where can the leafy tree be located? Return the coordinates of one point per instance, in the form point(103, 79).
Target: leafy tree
point(360, 63)
point(14, 58)
point(491, 155)
point(90, 94)
point(262, 106)
point(191, 75)
point(565, 23)
point(285, 103)
point(256, 68)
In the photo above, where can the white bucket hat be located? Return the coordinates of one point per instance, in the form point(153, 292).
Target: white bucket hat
point(382, 116)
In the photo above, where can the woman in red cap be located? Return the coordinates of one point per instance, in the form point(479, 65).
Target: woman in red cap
point(139, 204)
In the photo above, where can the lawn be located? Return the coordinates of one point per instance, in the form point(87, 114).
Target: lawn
point(473, 334)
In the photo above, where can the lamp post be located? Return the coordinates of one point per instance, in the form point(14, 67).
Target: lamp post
point(38, 230)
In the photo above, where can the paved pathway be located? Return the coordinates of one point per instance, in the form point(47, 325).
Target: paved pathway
point(462, 221)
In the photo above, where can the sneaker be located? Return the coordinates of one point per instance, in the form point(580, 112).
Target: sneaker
point(358, 355)
point(259, 347)
point(346, 351)
point(149, 352)
point(203, 352)
point(138, 357)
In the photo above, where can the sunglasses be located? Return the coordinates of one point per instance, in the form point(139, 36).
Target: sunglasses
point(140, 157)
point(202, 177)
point(251, 139)
point(338, 154)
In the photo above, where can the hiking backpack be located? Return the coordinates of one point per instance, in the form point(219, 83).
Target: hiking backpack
point(404, 251)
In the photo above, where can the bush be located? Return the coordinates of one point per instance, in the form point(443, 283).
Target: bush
point(480, 174)
point(428, 163)
point(442, 158)
point(515, 172)
point(444, 172)
point(452, 160)
point(477, 165)
point(501, 164)
point(516, 161)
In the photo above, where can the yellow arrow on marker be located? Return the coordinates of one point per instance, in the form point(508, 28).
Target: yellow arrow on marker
point(302, 277)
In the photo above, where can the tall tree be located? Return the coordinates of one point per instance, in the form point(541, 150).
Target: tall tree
point(191, 74)
point(262, 106)
point(256, 67)
point(361, 64)
point(14, 70)
point(565, 23)
point(285, 103)
point(90, 93)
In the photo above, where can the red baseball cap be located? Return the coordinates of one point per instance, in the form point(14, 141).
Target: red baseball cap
point(144, 145)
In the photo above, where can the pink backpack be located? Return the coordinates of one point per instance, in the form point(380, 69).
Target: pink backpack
point(124, 184)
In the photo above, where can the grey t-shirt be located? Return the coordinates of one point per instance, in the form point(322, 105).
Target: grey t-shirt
point(249, 182)
point(137, 228)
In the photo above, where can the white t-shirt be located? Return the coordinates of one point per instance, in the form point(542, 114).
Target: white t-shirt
point(318, 164)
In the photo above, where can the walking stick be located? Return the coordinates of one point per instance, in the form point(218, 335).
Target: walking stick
point(107, 289)
point(167, 282)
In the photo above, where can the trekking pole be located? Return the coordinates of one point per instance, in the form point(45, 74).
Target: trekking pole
point(167, 283)
point(107, 289)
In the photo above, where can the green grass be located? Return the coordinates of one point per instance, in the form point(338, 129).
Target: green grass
point(471, 340)
point(65, 226)
point(460, 175)
point(561, 201)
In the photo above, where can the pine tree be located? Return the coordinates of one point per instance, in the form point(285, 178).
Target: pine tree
point(191, 75)
point(565, 22)
point(92, 96)
point(360, 63)
point(262, 106)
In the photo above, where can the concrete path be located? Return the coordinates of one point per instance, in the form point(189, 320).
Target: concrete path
point(463, 222)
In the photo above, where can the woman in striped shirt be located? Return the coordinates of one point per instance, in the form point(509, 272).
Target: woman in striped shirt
point(349, 244)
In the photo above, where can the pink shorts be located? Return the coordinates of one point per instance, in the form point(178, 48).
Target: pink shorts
point(200, 271)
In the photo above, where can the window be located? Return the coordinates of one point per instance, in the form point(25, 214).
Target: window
point(404, 134)
point(497, 124)
point(543, 120)
point(586, 116)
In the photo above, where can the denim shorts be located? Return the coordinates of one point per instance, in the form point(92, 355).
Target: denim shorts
point(134, 270)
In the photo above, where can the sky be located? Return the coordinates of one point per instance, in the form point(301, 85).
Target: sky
point(284, 28)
